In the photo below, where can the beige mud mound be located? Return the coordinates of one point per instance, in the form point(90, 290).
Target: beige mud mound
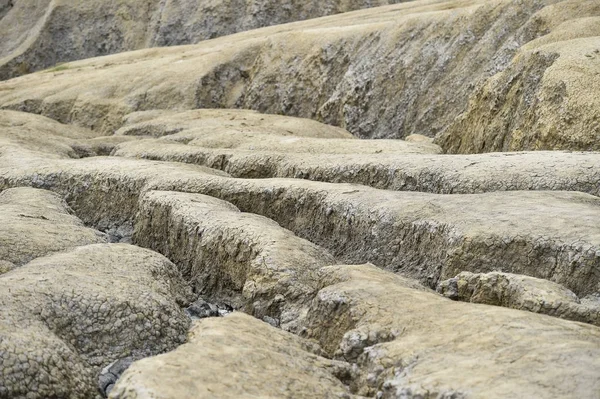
point(248, 358)
point(413, 344)
point(430, 67)
point(40, 33)
point(223, 123)
point(244, 259)
point(248, 130)
point(551, 235)
point(37, 223)
point(546, 99)
point(404, 339)
point(251, 145)
point(66, 316)
point(407, 343)
point(261, 211)
point(21, 133)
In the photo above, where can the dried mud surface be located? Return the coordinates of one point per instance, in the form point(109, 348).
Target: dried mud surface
point(200, 212)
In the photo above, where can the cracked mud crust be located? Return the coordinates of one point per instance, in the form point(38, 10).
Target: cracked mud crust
point(205, 221)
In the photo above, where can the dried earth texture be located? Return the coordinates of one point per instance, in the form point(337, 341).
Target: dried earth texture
point(38, 34)
point(373, 327)
point(251, 145)
point(159, 239)
point(410, 343)
point(37, 223)
point(256, 359)
point(67, 315)
point(480, 75)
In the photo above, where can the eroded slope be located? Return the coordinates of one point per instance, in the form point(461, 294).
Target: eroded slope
point(386, 72)
point(40, 34)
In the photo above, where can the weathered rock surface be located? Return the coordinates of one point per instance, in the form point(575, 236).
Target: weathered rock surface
point(427, 236)
point(39, 135)
point(545, 99)
point(410, 343)
point(247, 358)
point(386, 72)
point(405, 340)
point(228, 126)
point(66, 316)
point(37, 223)
point(39, 34)
point(22, 133)
point(520, 292)
point(399, 166)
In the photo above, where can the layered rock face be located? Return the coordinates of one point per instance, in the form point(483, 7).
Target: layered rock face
point(157, 240)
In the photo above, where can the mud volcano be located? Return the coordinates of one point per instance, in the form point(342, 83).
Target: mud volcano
point(320, 199)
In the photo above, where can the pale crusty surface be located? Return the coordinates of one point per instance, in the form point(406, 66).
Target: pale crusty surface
point(21, 132)
point(215, 123)
point(246, 358)
point(243, 259)
point(410, 343)
point(253, 209)
point(66, 316)
point(400, 339)
point(427, 236)
point(431, 67)
point(405, 340)
point(546, 98)
point(37, 223)
point(248, 130)
point(401, 165)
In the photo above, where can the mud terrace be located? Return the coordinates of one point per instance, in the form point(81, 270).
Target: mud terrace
point(210, 220)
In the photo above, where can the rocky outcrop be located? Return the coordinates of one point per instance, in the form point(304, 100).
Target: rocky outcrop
point(521, 292)
point(40, 34)
point(254, 359)
point(386, 72)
